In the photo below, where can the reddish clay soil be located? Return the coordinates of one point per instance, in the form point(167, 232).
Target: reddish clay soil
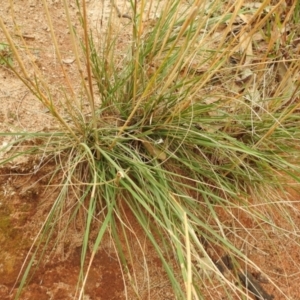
point(22, 211)
point(25, 200)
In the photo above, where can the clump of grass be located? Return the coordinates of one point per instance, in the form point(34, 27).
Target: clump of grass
point(185, 121)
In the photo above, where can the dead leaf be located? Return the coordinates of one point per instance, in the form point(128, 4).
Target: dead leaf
point(285, 79)
point(154, 151)
point(26, 36)
point(68, 61)
point(5, 147)
point(245, 46)
point(206, 267)
point(253, 95)
point(253, 5)
point(257, 36)
point(245, 75)
point(245, 18)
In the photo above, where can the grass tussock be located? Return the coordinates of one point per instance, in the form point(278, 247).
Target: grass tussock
point(194, 112)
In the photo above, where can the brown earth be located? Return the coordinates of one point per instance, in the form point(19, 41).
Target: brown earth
point(25, 197)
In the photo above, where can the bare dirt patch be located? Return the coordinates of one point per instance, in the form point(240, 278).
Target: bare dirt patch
point(24, 199)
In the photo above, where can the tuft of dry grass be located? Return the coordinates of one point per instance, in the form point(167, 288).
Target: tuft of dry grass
point(184, 119)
